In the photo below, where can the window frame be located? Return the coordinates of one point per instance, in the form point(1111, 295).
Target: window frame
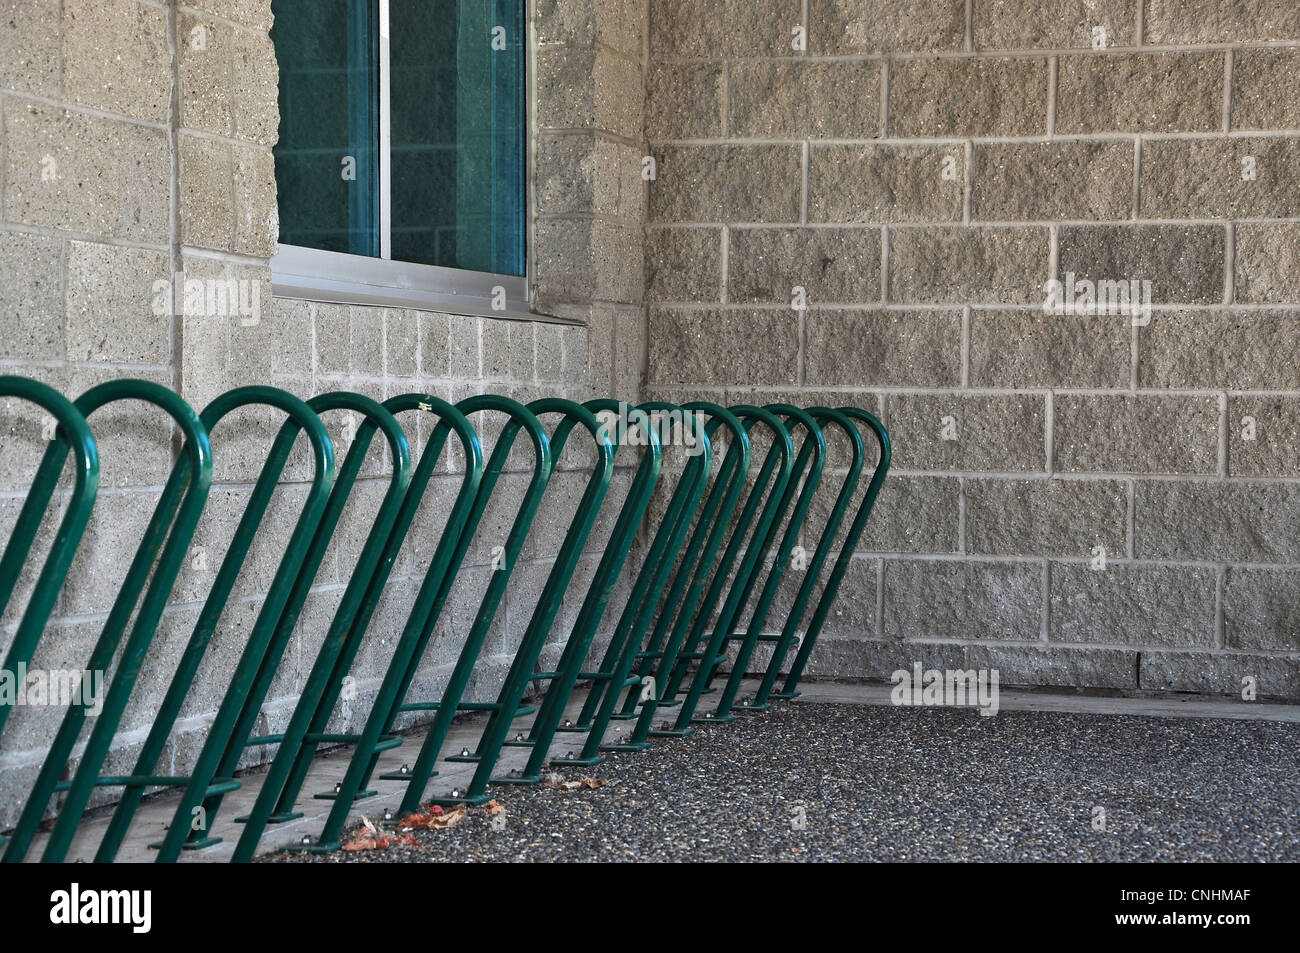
point(316, 274)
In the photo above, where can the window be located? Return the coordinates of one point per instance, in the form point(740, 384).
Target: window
point(402, 154)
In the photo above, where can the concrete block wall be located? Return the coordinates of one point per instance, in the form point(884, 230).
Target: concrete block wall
point(920, 169)
point(133, 150)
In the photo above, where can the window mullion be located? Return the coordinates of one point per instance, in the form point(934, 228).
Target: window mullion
point(385, 137)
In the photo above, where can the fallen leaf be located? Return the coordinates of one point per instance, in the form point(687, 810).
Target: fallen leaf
point(589, 783)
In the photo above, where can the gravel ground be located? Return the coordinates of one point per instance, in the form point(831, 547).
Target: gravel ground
point(878, 783)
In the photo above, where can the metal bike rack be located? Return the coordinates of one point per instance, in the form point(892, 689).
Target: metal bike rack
point(718, 555)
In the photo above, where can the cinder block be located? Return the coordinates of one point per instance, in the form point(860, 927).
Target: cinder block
point(1010, 25)
point(717, 348)
point(1260, 609)
point(797, 99)
point(207, 212)
point(1212, 21)
point(1057, 666)
point(709, 29)
point(831, 265)
point(982, 265)
point(885, 183)
point(589, 89)
point(1219, 673)
point(1214, 521)
point(31, 306)
point(1264, 436)
point(957, 98)
point(257, 216)
point(1131, 604)
point(1140, 92)
point(115, 57)
point(1032, 349)
point(734, 183)
point(30, 46)
point(947, 599)
point(884, 348)
point(1046, 517)
point(846, 26)
point(1044, 181)
point(683, 264)
point(1184, 263)
point(1260, 83)
point(1220, 178)
point(684, 101)
point(967, 432)
point(1124, 433)
point(1267, 264)
point(110, 306)
point(1228, 350)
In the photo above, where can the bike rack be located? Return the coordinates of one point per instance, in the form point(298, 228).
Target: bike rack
point(727, 532)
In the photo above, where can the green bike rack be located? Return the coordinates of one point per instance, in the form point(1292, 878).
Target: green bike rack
point(615, 673)
point(72, 434)
point(790, 688)
point(563, 680)
point(769, 485)
point(807, 471)
point(301, 418)
point(165, 543)
point(307, 727)
point(724, 538)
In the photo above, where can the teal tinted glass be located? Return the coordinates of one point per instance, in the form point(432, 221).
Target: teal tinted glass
point(327, 158)
point(457, 111)
point(457, 115)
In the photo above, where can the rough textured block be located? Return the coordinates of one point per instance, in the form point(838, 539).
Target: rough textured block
point(1236, 521)
point(29, 46)
point(1131, 604)
point(723, 347)
point(967, 97)
point(110, 305)
point(619, 24)
point(31, 304)
point(945, 599)
point(968, 265)
point(713, 28)
point(1042, 181)
point(115, 57)
point(1045, 517)
point(1124, 433)
point(69, 170)
point(967, 432)
point(884, 348)
point(1220, 21)
point(1264, 436)
point(880, 183)
point(726, 184)
point(869, 26)
point(581, 260)
point(584, 174)
point(1261, 609)
point(1184, 263)
point(913, 514)
point(684, 101)
point(1141, 92)
point(1032, 349)
point(257, 217)
point(1262, 81)
point(683, 264)
point(1230, 350)
point(1267, 264)
point(1057, 666)
point(832, 265)
point(799, 99)
point(589, 89)
point(1219, 673)
point(205, 50)
point(207, 212)
point(629, 353)
point(1220, 178)
point(1012, 25)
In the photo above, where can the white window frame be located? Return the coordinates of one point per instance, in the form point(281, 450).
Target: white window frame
point(315, 274)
